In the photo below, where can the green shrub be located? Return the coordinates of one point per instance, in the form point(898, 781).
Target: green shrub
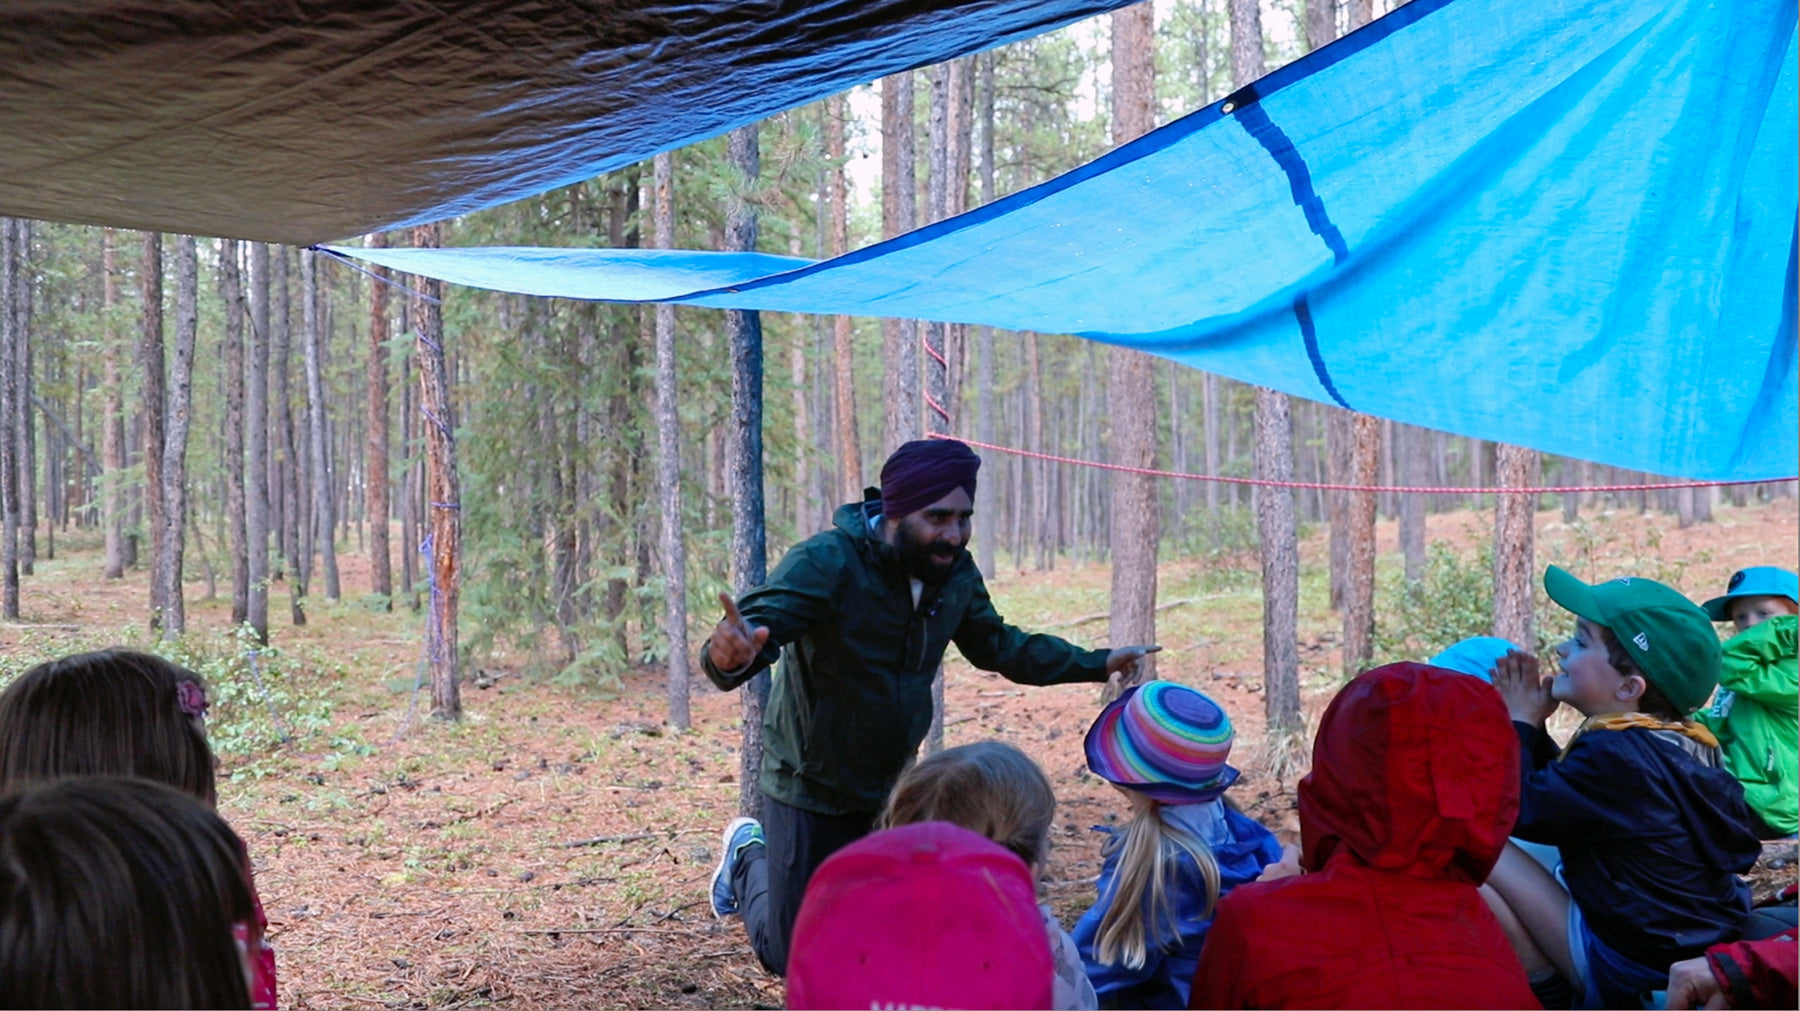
point(1454, 600)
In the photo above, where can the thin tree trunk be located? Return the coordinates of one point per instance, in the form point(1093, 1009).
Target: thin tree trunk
point(12, 285)
point(256, 444)
point(444, 491)
point(375, 505)
point(1135, 525)
point(749, 554)
point(293, 508)
point(112, 428)
point(668, 463)
point(231, 289)
point(1210, 391)
point(986, 492)
point(898, 215)
point(1414, 446)
point(1338, 461)
point(168, 555)
point(849, 450)
point(1516, 467)
point(1361, 12)
point(152, 371)
point(324, 516)
point(1359, 587)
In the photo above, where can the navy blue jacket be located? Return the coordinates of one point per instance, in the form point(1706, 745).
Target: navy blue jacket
point(1652, 837)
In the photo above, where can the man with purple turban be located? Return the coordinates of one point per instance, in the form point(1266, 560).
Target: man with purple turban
point(858, 618)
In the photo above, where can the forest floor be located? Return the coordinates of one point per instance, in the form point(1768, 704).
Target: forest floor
point(553, 849)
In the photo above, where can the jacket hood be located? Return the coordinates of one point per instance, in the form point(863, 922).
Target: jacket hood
point(1416, 771)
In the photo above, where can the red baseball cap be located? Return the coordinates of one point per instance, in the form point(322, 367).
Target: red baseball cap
point(927, 915)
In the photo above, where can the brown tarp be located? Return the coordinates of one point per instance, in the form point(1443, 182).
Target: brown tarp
point(304, 121)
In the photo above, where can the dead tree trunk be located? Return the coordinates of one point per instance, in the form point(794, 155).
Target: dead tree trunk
point(444, 491)
point(1516, 467)
point(1135, 524)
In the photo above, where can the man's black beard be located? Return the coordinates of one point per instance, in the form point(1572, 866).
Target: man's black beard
point(915, 557)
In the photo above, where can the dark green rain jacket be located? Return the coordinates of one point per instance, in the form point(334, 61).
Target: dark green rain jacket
point(851, 699)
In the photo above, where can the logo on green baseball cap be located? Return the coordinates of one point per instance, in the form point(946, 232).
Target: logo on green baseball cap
point(1667, 635)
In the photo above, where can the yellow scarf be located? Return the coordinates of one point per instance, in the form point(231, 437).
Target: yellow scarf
point(1625, 721)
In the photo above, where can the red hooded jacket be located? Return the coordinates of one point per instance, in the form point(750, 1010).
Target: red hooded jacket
point(1414, 786)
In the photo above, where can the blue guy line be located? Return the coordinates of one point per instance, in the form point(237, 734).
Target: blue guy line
point(1250, 114)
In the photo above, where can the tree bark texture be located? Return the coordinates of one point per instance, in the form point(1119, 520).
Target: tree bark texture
point(749, 552)
point(986, 492)
point(12, 257)
point(293, 509)
point(899, 196)
point(1274, 452)
point(152, 372)
point(1414, 447)
point(1136, 528)
point(324, 511)
point(849, 450)
point(256, 443)
point(668, 463)
point(231, 291)
point(167, 574)
point(112, 424)
point(1516, 467)
point(375, 489)
point(1359, 584)
point(444, 490)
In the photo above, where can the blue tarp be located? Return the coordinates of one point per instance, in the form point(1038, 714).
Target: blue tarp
point(1567, 224)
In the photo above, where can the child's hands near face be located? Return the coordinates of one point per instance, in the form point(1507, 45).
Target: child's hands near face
point(1523, 688)
point(1286, 867)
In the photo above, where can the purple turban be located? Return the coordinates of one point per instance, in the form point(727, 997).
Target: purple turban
point(921, 472)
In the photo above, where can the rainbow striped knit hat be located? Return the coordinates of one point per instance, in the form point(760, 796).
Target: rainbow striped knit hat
point(1164, 740)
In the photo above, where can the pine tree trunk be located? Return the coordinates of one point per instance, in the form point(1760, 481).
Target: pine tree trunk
point(12, 284)
point(749, 554)
point(1209, 390)
point(152, 371)
point(849, 449)
point(899, 183)
point(256, 444)
point(1276, 535)
point(1414, 449)
point(1359, 587)
point(668, 464)
point(1517, 467)
point(26, 428)
point(324, 515)
point(444, 491)
point(231, 290)
point(294, 507)
point(112, 427)
point(986, 492)
point(375, 505)
point(1135, 525)
point(167, 574)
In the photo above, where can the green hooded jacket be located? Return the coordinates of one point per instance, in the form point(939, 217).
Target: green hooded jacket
point(851, 698)
point(1756, 716)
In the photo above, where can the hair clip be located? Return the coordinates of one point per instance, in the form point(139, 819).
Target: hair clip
point(192, 698)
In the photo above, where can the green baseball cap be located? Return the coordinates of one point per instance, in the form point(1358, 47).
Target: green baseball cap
point(1667, 635)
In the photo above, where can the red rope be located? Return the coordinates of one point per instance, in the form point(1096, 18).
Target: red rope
point(1258, 482)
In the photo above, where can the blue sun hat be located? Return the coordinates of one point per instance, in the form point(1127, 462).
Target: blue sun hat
point(1475, 656)
point(1756, 581)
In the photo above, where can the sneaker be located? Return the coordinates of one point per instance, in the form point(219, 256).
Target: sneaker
point(740, 835)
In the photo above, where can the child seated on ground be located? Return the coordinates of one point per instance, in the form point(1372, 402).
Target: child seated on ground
point(1756, 713)
point(1164, 746)
point(1413, 788)
point(122, 713)
point(1651, 829)
point(928, 915)
point(992, 788)
point(119, 893)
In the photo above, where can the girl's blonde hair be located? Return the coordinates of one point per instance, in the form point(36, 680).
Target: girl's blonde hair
point(1147, 849)
point(988, 787)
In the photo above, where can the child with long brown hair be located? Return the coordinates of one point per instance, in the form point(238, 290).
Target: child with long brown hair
point(993, 788)
point(122, 713)
point(1164, 746)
